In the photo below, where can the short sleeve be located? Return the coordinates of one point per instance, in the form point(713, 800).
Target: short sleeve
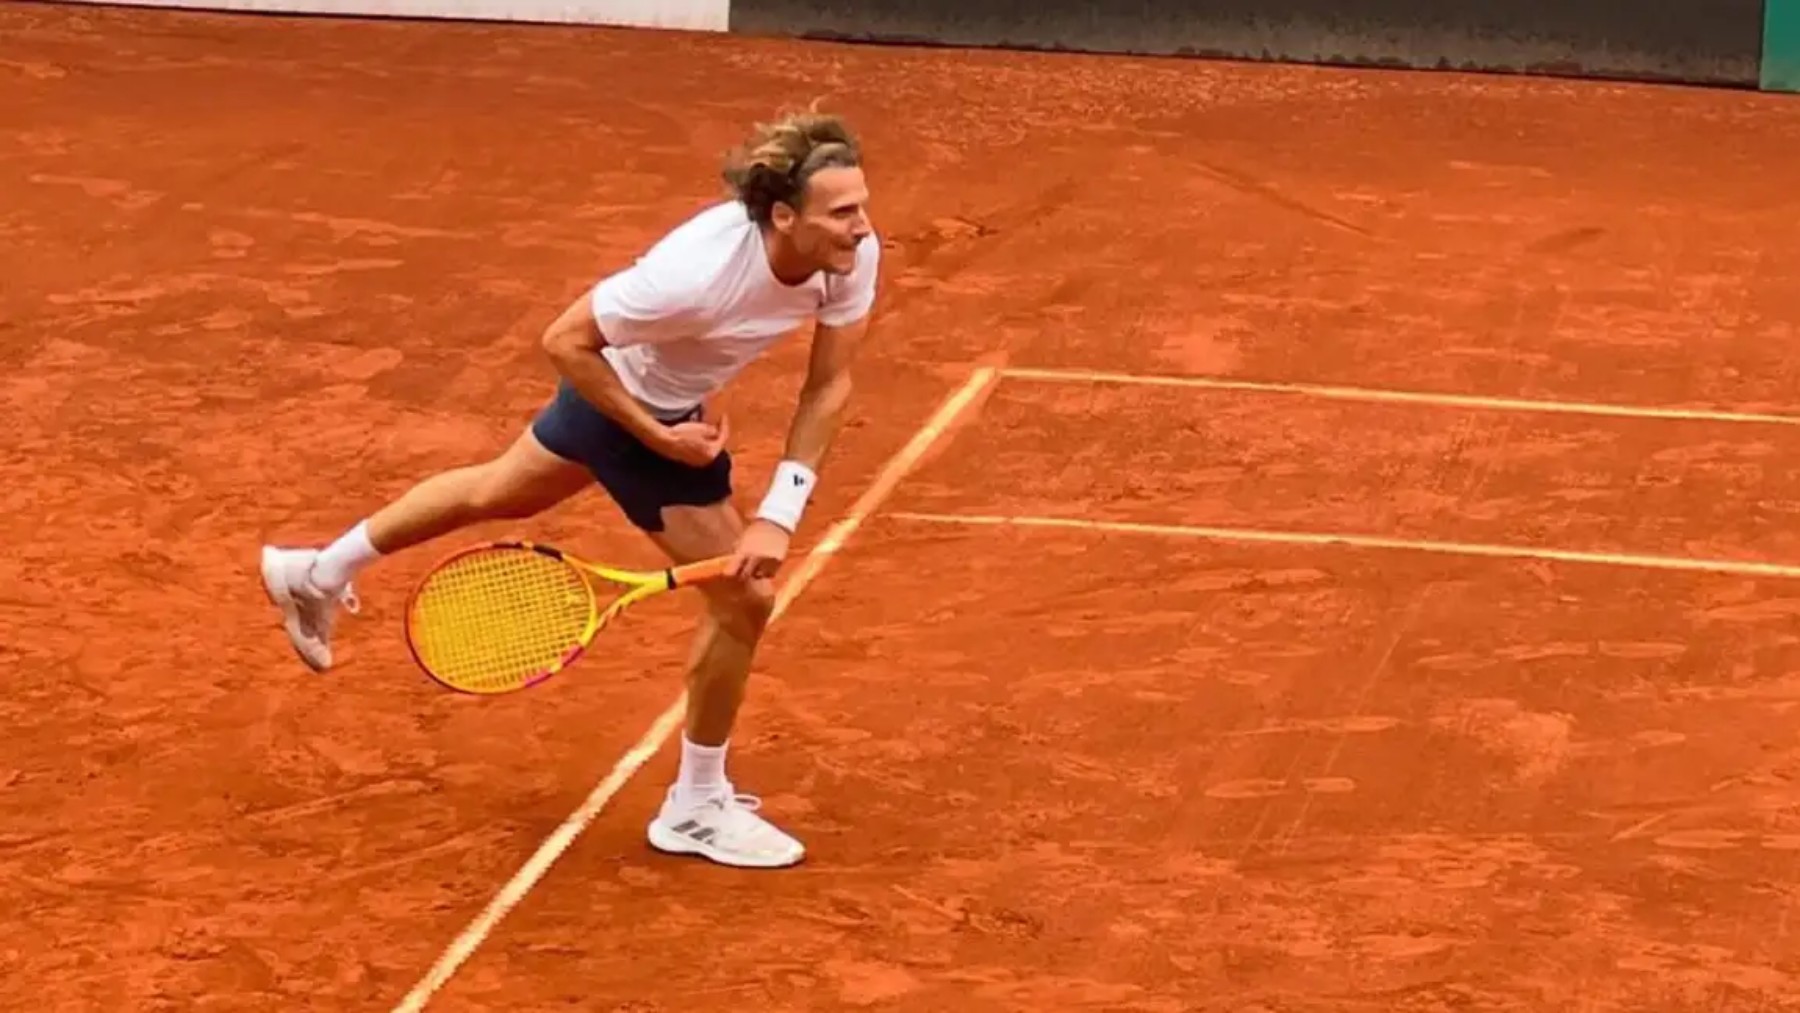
point(644, 304)
point(850, 297)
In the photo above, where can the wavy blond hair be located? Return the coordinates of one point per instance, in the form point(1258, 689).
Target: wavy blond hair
point(780, 158)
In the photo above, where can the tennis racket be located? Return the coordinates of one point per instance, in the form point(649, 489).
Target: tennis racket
point(504, 616)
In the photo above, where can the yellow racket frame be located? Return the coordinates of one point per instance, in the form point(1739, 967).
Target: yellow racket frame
point(448, 611)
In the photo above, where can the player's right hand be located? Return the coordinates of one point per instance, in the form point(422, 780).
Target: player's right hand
point(695, 443)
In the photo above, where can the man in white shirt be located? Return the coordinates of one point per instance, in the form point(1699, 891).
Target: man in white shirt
point(639, 355)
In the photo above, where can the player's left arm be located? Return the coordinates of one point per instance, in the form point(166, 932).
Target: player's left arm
point(818, 416)
point(819, 411)
point(838, 337)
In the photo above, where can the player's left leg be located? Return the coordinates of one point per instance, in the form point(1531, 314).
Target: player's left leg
point(687, 511)
point(702, 813)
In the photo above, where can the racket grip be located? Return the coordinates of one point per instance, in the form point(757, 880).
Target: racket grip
point(700, 572)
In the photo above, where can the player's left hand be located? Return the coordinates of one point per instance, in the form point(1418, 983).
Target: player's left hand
point(761, 550)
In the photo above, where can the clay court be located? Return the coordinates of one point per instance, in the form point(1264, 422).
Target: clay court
point(1307, 539)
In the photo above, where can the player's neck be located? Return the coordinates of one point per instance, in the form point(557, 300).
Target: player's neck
point(785, 264)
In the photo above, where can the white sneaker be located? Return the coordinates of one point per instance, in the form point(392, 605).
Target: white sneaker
point(725, 829)
point(308, 614)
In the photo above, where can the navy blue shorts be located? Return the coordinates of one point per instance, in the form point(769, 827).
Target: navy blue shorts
point(639, 480)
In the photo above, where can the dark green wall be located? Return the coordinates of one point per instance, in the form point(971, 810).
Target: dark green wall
point(1781, 46)
point(1717, 42)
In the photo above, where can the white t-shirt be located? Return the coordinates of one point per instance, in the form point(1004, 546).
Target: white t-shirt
point(702, 304)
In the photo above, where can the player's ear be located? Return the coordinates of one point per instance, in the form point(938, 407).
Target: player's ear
point(782, 215)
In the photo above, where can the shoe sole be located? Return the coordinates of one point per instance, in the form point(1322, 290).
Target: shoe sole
point(671, 843)
point(271, 579)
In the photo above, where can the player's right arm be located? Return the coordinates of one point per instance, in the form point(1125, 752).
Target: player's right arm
point(573, 342)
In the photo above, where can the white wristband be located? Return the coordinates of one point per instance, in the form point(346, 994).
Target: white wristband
point(787, 495)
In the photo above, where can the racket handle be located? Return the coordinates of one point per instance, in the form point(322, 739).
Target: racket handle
point(700, 572)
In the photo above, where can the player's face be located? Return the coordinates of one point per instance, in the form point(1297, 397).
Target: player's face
point(832, 220)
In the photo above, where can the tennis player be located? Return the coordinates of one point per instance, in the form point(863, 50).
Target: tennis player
point(639, 355)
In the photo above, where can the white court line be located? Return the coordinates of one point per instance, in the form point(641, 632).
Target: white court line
point(666, 723)
point(1381, 395)
point(1743, 568)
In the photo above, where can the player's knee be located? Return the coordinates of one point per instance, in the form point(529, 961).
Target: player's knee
point(744, 609)
point(759, 603)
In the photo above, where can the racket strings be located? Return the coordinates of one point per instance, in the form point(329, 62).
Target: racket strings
point(497, 619)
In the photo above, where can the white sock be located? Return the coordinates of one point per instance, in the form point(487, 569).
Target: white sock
point(702, 771)
point(340, 561)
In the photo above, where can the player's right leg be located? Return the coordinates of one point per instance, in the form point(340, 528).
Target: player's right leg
point(308, 585)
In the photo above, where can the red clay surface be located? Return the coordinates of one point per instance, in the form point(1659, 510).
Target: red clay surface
point(263, 273)
point(1179, 777)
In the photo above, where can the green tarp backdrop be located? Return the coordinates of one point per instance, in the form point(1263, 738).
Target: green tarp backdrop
point(1781, 46)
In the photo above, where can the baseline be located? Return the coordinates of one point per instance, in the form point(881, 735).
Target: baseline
point(1748, 568)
